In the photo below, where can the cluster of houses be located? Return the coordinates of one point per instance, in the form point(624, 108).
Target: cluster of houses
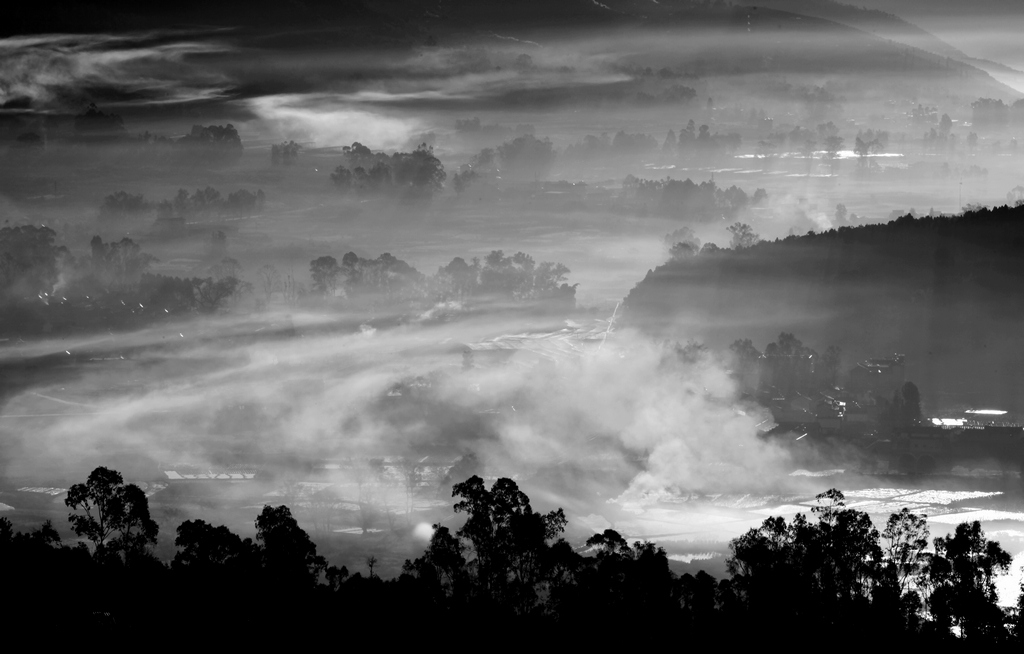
point(852, 411)
point(856, 414)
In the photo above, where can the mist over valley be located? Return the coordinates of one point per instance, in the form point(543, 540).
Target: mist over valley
point(670, 271)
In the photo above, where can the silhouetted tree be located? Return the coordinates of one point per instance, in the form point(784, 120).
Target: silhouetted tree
point(840, 214)
point(325, 271)
point(289, 556)
point(211, 294)
point(270, 280)
point(519, 277)
point(213, 142)
point(743, 236)
point(29, 142)
point(171, 294)
point(29, 260)
point(507, 540)
point(745, 351)
point(122, 205)
point(831, 362)
point(989, 112)
point(95, 123)
point(418, 171)
point(342, 178)
point(906, 404)
point(526, 156)
point(462, 181)
point(963, 595)
point(682, 251)
point(821, 572)
point(904, 542)
point(945, 125)
point(284, 154)
point(833, 144)
point(442, 568)
point(119, 265)
point(206, 549)
point(114, 515)
point(244, 202)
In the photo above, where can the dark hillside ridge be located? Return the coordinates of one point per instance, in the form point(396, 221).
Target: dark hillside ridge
point(945, 291)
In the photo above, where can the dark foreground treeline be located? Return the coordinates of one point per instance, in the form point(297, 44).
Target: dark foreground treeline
point(506, 568)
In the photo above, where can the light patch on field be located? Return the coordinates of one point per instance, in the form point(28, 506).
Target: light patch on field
point(357, 530)
point(327, 120)
point(237, 476)
point(1006, 534)
point(850, 505)
point(43, 489)
point(672, 525)
point(744, 502)
point(784, 510)
point(945, 497)
point(420, 504)
point(690, 558)
point(6, 507)
point(981, 515)
point(878, 493)
point(154, 488)
point(816, 473)
point(1008, 586)
point(961, 471)
point(888, 508)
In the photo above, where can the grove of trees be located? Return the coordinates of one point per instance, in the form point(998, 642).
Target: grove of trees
point(203, 203)
point(109, 287)
point(29, 261)
point(411, 175)
point(497, 280)
point(204, 144)
point(686, 199)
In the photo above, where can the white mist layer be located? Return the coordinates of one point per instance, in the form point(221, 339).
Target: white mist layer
point(601, 409)
point(50, 69)
point(330, 121)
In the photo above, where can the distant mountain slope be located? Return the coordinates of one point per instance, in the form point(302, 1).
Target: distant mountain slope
point(875, 21)
point(981, 28)
point(923, 12)
point(724, 39)
point(727, 39)
point(944, 291)
point(889, 26)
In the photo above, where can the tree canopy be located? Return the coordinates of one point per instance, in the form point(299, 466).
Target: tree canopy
point(411, 175)
point(114, 516)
